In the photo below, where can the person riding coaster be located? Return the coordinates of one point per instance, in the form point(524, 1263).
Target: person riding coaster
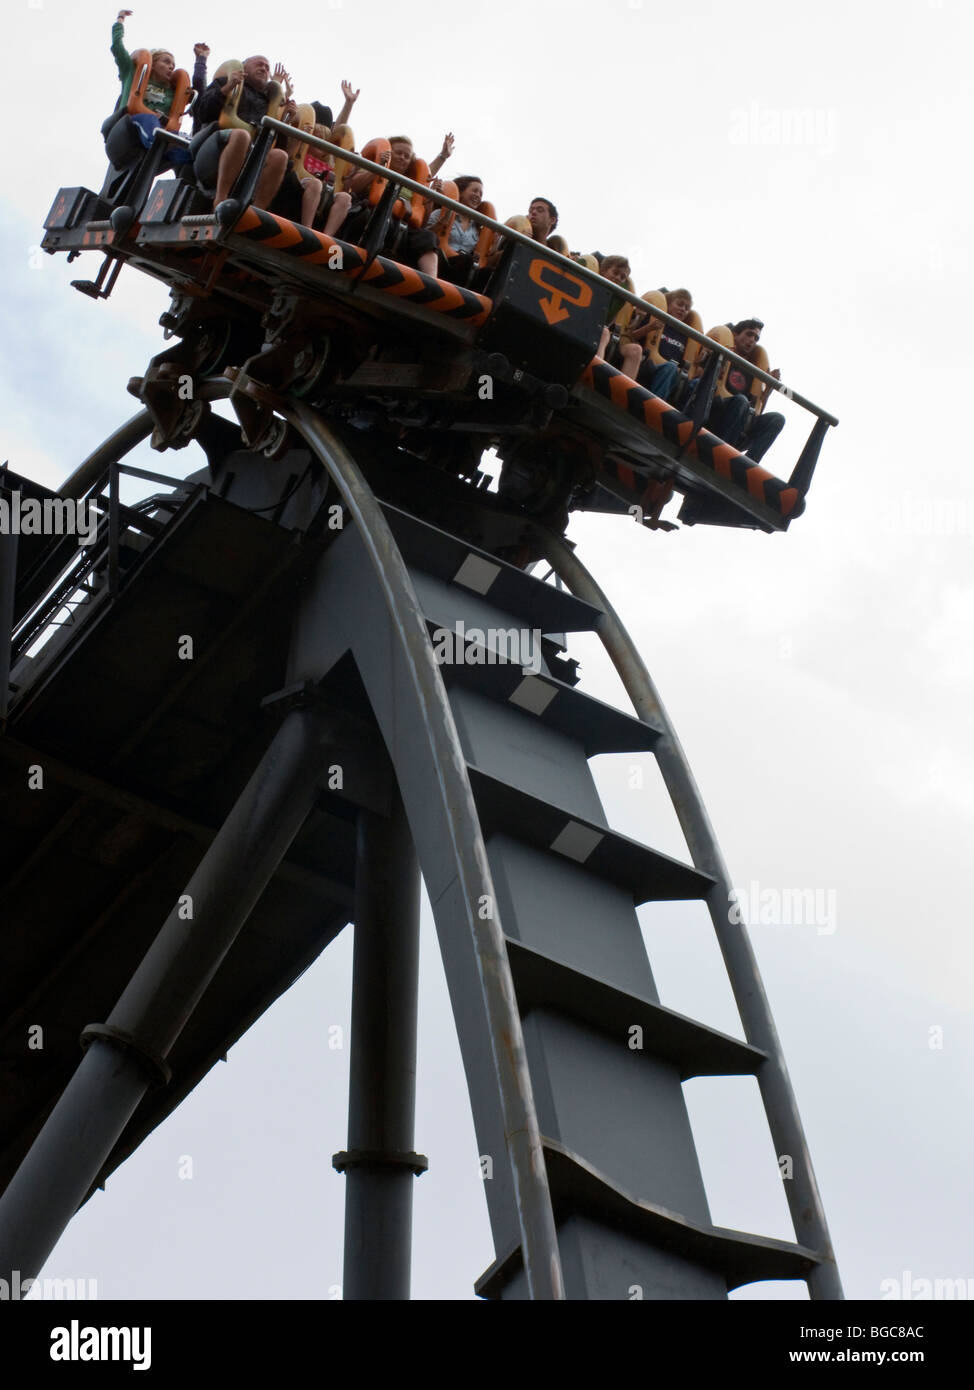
point(229, 112)
point(314, 176)
point(154, 92)
point(395, 154)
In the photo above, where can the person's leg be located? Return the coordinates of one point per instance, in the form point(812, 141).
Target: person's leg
point(764, 431)
point(632, 356)
point(231, 162)
point(420, 250)
point(456, 269)
point(663, 380)
point(727, 417)
point(124, 143)
point(271, 178)
point(337, 213)
point(354, 225)
point(311, 191)
point(146, 124)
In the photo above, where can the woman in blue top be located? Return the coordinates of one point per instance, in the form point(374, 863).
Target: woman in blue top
point(464, 231)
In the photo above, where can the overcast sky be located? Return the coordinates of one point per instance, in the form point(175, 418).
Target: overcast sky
point(806, 163)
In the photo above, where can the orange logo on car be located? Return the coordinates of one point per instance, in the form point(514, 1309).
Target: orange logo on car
point(558, 294)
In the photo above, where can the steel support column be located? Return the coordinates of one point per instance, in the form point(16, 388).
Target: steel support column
point(380, 1164)
point(127, 1054)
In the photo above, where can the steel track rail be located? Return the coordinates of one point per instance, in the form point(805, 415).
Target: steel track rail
point(466, 851)
point(804, 1200)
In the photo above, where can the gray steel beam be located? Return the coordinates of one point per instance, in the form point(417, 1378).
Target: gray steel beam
point(417, 718)
point(126, 1055)
point(804, 1200)
point(380, 1163)
point(97, 788)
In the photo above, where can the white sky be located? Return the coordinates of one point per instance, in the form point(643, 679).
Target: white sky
point(802, 162)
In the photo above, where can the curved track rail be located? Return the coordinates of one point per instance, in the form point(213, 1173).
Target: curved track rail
point(595, 1183)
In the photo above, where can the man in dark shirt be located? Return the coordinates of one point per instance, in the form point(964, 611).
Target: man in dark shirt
point(729, 414)
point(218, 155)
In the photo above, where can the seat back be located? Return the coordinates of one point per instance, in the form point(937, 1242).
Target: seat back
point(299, 150)
point(374, 150)
point(721, 334)
point(341, 135)
point(485, 242)
point(760, 360)
point(416, 208)
point(657, 299)
point(229, 116)
point(141, 73)
point(692, 349)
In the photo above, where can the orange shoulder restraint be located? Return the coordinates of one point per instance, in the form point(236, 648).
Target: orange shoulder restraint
point(374, 150)
point(443, 226)
point(416, 208)
point(486, 239)
point(141, 72)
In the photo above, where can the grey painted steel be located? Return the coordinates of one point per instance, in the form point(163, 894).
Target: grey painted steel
point(125, 438)
point(8, 583)
point(582, 272)
point(104, 1092)
point(413, 710)
point(621, 1110)
point(804, 1200)
point(382, 1079)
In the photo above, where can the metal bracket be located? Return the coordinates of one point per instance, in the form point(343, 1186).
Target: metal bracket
point(379, 1158)
point(98, 288)
point(158, 1068)
point(177, 416)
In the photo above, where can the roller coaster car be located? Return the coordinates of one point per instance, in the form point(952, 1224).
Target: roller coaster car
point(380, 346)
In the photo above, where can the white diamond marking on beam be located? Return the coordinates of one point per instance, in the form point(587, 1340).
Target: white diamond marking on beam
point(533, 695)
point(576, 841)
point(477, 574)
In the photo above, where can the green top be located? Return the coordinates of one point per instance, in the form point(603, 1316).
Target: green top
point(156, 97)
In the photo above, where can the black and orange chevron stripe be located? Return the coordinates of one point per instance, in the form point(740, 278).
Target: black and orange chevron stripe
point(677, 428)
point(399, 281)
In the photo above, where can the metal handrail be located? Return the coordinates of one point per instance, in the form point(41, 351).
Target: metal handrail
point(576, 268)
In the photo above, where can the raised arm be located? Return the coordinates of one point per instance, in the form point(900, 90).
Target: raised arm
point(351, 97)
point(123, 59)
point(210, 104)
point(202, 52)
point(444, 154)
